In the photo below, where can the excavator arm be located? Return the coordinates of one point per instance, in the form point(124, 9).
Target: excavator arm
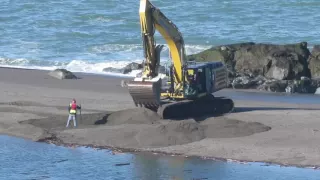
point(146, 90)
point(151, 19)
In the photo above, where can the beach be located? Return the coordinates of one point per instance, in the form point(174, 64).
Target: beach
point(34, 105)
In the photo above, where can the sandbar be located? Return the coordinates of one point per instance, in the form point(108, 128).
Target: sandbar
point(34, 105)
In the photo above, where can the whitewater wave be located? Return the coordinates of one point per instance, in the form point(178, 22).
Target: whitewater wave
point(116, 48)
point(121, 48)
point(120, 56)
point(73, 66)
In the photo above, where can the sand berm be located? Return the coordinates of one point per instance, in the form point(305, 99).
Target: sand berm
point(33, 105)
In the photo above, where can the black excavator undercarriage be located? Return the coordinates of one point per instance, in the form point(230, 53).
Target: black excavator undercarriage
point(147, 95)
point(201, 107)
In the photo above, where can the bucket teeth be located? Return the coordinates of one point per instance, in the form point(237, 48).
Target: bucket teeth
point(145, 93)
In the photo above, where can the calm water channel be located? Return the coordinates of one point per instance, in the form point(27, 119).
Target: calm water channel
point(23, 159)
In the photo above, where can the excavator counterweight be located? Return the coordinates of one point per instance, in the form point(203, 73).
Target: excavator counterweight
point(186, 88)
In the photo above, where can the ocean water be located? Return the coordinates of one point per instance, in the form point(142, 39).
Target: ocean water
point(25, 160)
point(87, 36)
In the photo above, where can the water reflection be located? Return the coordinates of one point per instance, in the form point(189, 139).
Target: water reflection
point(148, 166)
point(21, 159)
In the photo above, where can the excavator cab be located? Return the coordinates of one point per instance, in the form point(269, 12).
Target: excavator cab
point(192, 85)
point(202, 78)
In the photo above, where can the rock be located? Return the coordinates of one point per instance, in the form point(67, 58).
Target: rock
point(219, 53)
point(305, 85)
point(287, 65)
point(245, 82)
point(314, 62)
point(289, 89)
point(112, 70)
point(293, 86)
point(223, 53)
point(282, 62)
point(317, 91)
point(136, 66)
point(274, 86)
point(127, 69)
point(130, 67)
point(287, 68)
point(62, 74)
point(260, 79)
point(241, 82)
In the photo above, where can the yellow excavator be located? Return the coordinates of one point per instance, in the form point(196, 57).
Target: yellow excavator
point(186, 88)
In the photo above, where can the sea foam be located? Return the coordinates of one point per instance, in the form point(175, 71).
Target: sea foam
point(119, 55)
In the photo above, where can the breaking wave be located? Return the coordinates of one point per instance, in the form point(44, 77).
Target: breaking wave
point(74, 65)
point(119, 55)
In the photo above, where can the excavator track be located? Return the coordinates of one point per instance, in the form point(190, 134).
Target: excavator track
point(205, 106)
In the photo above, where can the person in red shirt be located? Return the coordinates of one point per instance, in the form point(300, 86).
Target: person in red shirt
point(73, 107)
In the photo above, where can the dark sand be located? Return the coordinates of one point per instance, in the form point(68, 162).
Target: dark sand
point(34, 105)
point(146, 129)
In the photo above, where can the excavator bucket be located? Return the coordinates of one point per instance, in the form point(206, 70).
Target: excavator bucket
point(145, 93)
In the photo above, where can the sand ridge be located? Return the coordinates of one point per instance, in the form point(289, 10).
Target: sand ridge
point(159, 132)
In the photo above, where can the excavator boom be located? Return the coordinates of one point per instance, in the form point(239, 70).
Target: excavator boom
point(151, 19)
point(146, 90)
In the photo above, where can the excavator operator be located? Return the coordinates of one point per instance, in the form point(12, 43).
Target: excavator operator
point(191, 86)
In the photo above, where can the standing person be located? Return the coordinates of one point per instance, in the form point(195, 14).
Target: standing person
point(73, 112)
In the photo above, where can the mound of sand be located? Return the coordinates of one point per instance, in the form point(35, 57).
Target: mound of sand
point(133, 116)
point(120, 128)
point(188, 131)
point(222, 127)
point(172, 133)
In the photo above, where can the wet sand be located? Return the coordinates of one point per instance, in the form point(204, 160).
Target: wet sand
point(33, 105)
